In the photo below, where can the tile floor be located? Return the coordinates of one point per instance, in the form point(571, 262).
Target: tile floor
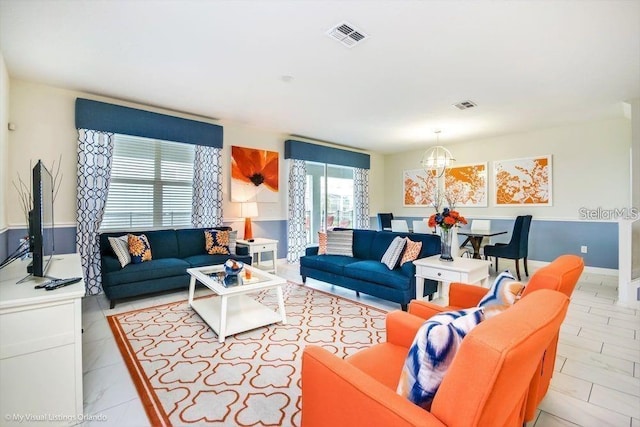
point(596, 383)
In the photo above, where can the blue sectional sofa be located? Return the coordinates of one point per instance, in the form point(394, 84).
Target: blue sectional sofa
point(365, 273)
point(173, 251)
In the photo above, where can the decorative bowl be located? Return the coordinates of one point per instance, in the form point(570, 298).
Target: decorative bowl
point(232, 267)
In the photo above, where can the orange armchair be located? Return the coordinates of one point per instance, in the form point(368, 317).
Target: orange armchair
point(486, 385)
point(560, 275)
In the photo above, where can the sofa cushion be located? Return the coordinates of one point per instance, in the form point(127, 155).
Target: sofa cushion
point(376, 272)
point(393, 253)
point(154, 269)
point(164, 243)
point(191, 242)
point(330, 263)
point(362, 241)
point(139, 248)
point(380, 243)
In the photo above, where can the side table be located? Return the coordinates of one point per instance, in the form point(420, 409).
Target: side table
point(464, 270)
point(259, 246)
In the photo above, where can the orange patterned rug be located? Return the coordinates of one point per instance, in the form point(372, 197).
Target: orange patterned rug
point(184, 376)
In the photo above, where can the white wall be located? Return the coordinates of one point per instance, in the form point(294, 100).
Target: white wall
point(4, 142)
point(590, 168)
point(45, 120)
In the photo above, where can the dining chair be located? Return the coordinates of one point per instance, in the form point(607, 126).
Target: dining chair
point(384, 221)
point(517, 248)
point(399, 225)
point(420, 226)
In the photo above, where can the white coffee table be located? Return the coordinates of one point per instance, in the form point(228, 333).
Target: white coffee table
point(465, 270)
point(233, 311)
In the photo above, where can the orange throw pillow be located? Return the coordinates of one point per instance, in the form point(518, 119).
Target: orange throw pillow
point(322, 243)
point(411, 251)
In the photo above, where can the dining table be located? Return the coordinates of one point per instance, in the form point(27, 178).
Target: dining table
point(475, 237)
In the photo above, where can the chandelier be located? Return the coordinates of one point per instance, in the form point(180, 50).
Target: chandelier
point(437, 158)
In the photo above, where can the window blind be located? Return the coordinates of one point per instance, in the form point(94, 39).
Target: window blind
point(151, 184)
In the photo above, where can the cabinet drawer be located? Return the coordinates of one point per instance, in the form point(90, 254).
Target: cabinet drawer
point(438, 274)
point(262, 248)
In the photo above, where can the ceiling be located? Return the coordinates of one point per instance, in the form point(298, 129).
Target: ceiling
point(270, 64)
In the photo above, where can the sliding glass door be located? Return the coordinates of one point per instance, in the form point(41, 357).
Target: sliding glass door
point(329, 198)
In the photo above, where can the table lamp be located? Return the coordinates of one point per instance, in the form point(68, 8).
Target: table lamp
point(248, 210)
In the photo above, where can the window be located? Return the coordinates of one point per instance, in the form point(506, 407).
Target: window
point(151, 184)
point(329, 198)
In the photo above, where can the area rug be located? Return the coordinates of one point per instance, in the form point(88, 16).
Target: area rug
point(184, 376)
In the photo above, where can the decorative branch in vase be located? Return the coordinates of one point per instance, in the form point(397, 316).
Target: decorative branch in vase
point(24, 189)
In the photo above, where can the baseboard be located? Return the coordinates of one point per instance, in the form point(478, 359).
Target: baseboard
point(587, 269)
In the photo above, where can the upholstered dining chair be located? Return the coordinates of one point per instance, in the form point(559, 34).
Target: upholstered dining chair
point(399, 225)
point(384, 221)
point(517, 248)
point(421, 226)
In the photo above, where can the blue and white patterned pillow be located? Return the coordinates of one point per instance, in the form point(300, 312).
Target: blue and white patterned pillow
point(120, 246)
point(393, 253)
point(340, 242)
point(432, 352)
point(504, 292)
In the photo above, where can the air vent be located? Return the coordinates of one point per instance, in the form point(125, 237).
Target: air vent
point(464, 105)
point(346, 34)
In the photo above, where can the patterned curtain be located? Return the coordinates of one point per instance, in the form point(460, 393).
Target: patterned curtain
point(361, 195)
point(95, 153)
point(207, 187)
point(296, 229)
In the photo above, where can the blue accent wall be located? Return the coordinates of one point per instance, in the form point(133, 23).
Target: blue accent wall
point(550, 239)
point(547, 239)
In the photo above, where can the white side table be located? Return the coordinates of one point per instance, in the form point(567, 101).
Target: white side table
point(465, 270)
point(258, 247)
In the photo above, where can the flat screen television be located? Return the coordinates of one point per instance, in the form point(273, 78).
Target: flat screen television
point(41, 221)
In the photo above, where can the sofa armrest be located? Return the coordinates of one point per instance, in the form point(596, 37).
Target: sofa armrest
point(424, 309)
point(336, 393)
point(311, 250)
point(402, 328)
point(465, 296)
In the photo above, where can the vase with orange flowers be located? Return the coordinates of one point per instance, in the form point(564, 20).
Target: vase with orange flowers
point(446, 221)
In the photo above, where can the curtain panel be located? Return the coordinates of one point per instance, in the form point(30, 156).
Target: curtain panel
point(95, 154)
point(206, 208)
point(361, 196)
point(296, 224)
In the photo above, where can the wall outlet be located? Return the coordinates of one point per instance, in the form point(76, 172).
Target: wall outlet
point(583, 249)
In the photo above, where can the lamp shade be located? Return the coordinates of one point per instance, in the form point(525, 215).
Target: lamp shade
point(249, 209)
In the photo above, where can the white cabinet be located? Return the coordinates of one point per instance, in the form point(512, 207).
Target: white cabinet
point(41, 345)
point(259, 246)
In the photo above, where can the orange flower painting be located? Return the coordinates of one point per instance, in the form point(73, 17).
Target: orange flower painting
point(467, 185)
point(523, 181)
point(254, 175)
point(419, 187)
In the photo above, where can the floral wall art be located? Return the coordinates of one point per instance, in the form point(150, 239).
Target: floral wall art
point(254, 175)
point(418, 187)
point(523, 181)
point(466, 185)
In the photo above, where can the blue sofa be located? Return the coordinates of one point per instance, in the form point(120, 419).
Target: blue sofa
point(365, 273)
point(172, 251)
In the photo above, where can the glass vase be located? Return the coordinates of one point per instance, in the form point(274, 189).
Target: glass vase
point(445, 244)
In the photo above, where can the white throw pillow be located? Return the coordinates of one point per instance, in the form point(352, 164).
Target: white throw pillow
point(120, 246)
point(393, 253)
point(340, 242)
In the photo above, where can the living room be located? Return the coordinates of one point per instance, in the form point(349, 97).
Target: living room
point(590, 152)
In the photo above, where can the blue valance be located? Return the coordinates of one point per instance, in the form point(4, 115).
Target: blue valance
point(131, 121)
point(323, 154)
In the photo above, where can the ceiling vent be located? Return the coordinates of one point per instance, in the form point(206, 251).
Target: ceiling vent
point(346, 34)
point(464, 105)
